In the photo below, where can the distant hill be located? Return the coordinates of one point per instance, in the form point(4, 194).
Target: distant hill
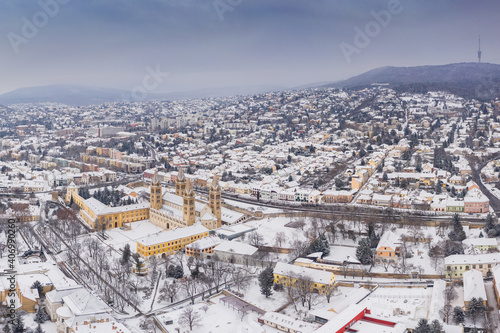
point(471, 80)
point(80, 95)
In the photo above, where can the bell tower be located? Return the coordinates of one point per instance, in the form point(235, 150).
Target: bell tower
point(214, 201)
point(155, 197)
point(188, 207)
point(72, 189)
point(180, 184)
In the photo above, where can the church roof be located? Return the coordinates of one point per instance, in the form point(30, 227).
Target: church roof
point(179, 200)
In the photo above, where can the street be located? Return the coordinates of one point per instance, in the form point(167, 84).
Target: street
point(492, 304)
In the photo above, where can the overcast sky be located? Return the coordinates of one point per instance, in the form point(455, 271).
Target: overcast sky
point(221, 43)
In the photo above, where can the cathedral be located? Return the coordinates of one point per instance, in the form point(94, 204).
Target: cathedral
point(179, 210)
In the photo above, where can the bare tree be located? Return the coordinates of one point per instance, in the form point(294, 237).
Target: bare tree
point(446, 312)
point(345, 267)
point(328, 292)
point(168, 291)
point(304, 286)
point(280, 238)
point(416, 233)
point(299, 248)
point(255, 239)
point(241, 278)
point(217, 271)
point(191, 288)
point(190, 317)
point(450, 294)
point(386, 263)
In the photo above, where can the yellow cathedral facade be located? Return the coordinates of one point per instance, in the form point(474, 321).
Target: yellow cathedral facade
point(166, 210)
point(170, 211)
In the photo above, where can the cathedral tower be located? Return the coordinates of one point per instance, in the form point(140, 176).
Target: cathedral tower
point(214, 201)
point(155, 197)
point(188, 207)
point(180, 184)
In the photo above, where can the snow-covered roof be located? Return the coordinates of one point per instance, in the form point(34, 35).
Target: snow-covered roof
point(290, 323)
point(480, 241)
point(171, 235)
point(467, 259)
point(315, 275)
point(205, 243)
point(389, 239)
point(84, 302)
point(236, 248)
point(474, 285)
point(342, 319)
point(437, 302)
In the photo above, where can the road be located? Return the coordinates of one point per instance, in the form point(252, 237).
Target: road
point(153, 152)
point(492, 304)
point(476, 166)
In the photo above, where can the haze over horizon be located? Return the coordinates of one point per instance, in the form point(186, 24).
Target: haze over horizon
point(222, 43)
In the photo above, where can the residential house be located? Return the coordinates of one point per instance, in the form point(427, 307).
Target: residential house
point(388, 248)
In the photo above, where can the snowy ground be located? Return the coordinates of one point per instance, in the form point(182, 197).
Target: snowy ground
point(268, 228)
point(47, 326)
point(272, 303)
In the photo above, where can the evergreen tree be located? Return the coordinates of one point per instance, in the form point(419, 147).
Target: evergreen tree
point(179, 272)
point(266, 281)
point(41, 315)
point(475, 308)
point(458, 315)
point(126, 254)
point(39, 329)
point(364, 252)
point(423, 327)
point(489, 223)
point(175, 271)
point(439, 187)
point(38, 286)
point(436, 326)
point(320, 244)
point(6, 329)
point(458, 233)
point(18, 324)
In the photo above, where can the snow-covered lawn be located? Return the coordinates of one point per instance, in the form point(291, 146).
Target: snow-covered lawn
point(272, 303)
point(268, 228)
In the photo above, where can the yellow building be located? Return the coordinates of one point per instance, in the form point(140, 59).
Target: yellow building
point(321, 282)
point(356, 182)
point(179, 210)
point(165, 209)
point(170, 241)
point(388, 248)
point(457, 265)
point(99, 216)
point(140, 268)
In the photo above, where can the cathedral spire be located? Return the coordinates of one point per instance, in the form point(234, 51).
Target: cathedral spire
point(156, 178)
point(189, 188)
point(215, 184)
point(180, 175)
